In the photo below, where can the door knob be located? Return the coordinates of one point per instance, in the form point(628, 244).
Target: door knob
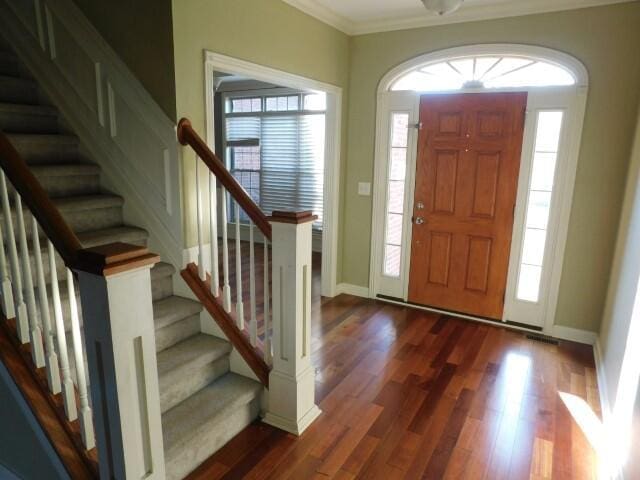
point(418, 220)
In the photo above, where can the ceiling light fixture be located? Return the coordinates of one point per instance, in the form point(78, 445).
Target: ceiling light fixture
point(442, 7)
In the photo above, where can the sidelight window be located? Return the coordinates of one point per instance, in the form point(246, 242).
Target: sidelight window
point(547, 139)
point(395, 193)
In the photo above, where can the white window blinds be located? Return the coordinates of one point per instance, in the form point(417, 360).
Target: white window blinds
point(289, 174)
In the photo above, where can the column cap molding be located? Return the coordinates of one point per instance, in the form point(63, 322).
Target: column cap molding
point(115, 258)
point(290, 216)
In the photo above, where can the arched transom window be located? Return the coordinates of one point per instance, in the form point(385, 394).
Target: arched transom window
point(483, 71)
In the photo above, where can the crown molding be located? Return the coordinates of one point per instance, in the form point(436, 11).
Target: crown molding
point(324, 14)
point(465, 14)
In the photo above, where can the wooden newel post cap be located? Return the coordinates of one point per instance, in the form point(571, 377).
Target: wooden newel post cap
point(290, 216)
point(115, 258)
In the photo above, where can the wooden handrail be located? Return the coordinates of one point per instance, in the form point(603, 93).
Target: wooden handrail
point(188, 136)
point(36, 198)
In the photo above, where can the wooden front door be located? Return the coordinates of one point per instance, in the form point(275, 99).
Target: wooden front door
point(465, 193)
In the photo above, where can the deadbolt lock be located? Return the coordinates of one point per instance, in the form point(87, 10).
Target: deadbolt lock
point(419, 205)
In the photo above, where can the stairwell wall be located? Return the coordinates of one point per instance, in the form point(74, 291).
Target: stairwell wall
point(140, 32)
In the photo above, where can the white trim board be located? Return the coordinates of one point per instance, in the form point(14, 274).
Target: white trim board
point(465, 14)
point(222, 63)
point(351, 289)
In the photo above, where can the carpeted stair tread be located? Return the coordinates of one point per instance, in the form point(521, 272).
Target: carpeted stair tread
point(196, 428)
point(190, 365)
point(173, 309)
point(188, 354)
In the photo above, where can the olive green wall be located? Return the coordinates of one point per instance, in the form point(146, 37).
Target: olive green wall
point(606, 39)
point(140, 32)
point(266, 32)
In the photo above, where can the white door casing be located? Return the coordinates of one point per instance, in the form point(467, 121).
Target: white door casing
point(571, 100)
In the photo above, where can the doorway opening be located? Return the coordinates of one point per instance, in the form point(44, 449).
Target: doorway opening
point(524, 261)
point(279, 135)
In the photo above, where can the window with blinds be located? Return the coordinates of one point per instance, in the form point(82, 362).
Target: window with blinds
point(275, 149)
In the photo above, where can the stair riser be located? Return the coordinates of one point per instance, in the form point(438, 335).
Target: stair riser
point(170, 335)
point(12, 122)
point(42, 153)
point(78, 220)
point(66, 186)
point(189, 382)
point(214, 435)
point(161, 288)
point(17, 91)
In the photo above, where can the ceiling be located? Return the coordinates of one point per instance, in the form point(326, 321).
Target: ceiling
point(366, 16)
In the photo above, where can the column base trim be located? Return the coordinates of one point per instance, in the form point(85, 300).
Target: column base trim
point(291, 426)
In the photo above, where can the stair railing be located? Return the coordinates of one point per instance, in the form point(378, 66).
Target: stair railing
point(109, 405)
point(274, 335)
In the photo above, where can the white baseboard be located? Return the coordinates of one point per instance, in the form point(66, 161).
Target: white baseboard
point(603, 393)
point(574, 334)
point(350, 289)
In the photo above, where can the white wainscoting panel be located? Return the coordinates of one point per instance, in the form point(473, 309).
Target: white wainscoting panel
point(118, 122)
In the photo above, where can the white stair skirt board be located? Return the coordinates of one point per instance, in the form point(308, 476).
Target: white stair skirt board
point(62, 48)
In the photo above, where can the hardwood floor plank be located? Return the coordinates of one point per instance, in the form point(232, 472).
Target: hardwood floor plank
point(409, 394)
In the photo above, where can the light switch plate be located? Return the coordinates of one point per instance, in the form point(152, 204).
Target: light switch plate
point(364, 188)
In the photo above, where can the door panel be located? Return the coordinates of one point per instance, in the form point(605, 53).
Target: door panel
point(466, 180)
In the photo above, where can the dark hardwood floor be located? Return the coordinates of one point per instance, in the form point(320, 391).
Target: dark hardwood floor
point(411, 394)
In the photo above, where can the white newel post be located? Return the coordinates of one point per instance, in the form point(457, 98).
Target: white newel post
point(115, 290)
point(291, 404)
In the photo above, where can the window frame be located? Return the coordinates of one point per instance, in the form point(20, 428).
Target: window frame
point(263, 94)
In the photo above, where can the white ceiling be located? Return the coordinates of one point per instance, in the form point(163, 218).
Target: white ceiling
point(366, 16)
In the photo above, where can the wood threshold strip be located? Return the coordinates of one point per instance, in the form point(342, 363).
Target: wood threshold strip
point(188, 136)
point(46, 407)
point(226, 323)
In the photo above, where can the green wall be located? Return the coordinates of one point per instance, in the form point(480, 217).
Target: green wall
point(266, 32)
point(141, 34)
point(606, 39)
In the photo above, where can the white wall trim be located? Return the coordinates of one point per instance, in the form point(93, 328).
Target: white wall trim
point(575, 66)
point(218, 62)
point(574, 334)
point(351, 289)
point(465, 14)
point(116, 119)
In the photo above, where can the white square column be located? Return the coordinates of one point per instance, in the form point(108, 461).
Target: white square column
point(291, 404)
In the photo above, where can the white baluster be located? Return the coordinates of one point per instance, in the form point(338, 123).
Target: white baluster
point(86, 421)
point(213, 235)
point(20, 308)
point(226, 288)
point(201, 270)
point(7, 294)
point(239, 304)
point(253, 322)
point(53, 373)
point(265, 321)
point(68, 392)
point(37, 350)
